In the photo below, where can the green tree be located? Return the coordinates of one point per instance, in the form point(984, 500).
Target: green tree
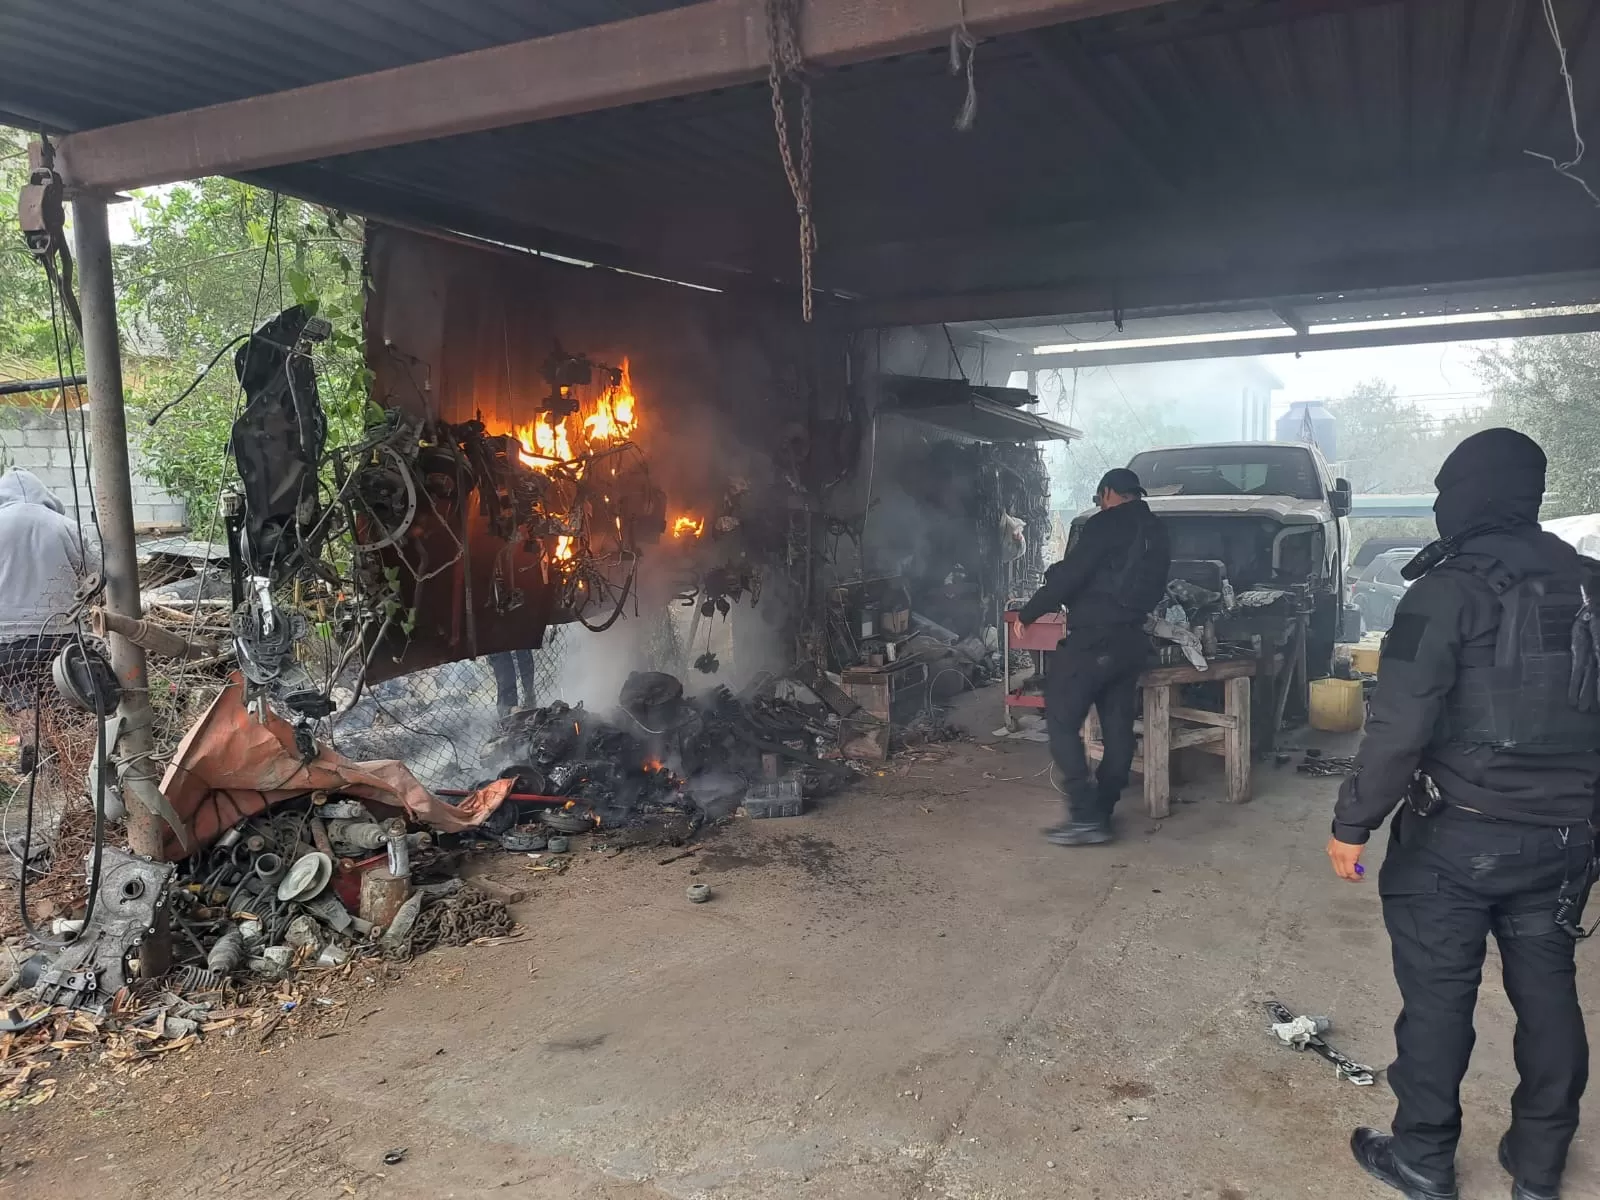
point(210, 261)
point(27, 343)
point(1547, 387)
point(1390, 444)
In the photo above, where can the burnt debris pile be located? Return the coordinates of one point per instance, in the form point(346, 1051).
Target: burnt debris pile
point(661, 752)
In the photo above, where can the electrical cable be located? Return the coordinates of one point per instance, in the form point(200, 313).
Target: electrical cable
point(196, 382)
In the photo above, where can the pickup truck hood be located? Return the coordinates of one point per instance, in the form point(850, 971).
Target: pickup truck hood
point(1286, 510)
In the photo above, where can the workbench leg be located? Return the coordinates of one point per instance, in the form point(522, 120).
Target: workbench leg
point(1238, 739)
point(1158, 750)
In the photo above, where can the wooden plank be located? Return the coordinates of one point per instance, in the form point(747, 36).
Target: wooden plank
point(677, 52)
point(1227, 668)
point(1238, 740)
point(1186, 739)
point(1158, 751)
point(1202, 716)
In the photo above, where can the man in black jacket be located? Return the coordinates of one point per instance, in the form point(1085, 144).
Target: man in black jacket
point(1109, 581)
point(1473, 725)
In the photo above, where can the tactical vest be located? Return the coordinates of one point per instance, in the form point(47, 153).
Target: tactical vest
point(1515, 696)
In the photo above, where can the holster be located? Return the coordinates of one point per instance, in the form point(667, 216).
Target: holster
point(1423, 796)
point(1574, 898)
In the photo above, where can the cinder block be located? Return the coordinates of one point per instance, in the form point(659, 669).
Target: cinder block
point(30, 457)
point(47, 438)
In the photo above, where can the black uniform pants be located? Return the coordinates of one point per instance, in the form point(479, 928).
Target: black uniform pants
point(1098, 667)
point(508, 666)
point(1448, 882)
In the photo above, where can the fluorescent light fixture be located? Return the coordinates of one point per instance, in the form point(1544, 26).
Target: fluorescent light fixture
point(1373, 326)
point(1467, 318)
point(1180, 339)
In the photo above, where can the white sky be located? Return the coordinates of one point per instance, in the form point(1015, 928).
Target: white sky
point(1439, 377)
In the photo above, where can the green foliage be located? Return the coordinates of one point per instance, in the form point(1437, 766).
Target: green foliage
point(27, 343)
point(1392, 445)
point(1547, 387)
point(212, 260)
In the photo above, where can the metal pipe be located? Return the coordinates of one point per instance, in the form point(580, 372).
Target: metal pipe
point(17, 387)
point(113, 494)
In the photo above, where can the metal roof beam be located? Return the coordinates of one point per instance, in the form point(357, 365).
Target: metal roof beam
point(1337, 339)
point(696, 48)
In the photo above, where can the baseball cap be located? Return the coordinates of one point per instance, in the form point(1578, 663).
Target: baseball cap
point(1121, 481)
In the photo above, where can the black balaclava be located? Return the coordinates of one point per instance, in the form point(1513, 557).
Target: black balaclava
point(1492, 480)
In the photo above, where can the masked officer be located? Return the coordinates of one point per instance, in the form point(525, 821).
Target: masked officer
point(1478, 724)
point(1110, 580)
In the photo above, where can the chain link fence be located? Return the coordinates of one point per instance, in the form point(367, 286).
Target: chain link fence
point(438, 721)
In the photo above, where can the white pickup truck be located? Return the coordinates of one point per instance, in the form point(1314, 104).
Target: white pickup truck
point(1269, 520)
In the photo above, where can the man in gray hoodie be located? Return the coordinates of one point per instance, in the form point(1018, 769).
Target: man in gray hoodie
point(42, 559)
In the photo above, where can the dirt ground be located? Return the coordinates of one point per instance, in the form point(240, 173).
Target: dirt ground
point(905, 994)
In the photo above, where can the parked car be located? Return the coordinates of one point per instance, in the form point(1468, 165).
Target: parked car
point(1374, 546)
point(1377, 589)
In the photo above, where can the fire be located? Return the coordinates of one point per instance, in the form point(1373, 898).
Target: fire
point(692, 526)
point(570, 804)
point(544, 443)
point(653, 765)
point(615, 415)
point(563, 551)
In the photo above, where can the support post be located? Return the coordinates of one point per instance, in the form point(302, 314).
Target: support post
point(113, 496)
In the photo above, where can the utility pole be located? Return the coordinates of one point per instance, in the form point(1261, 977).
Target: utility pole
point(113, 496)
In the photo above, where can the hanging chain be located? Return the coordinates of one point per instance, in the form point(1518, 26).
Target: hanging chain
point(785, 64)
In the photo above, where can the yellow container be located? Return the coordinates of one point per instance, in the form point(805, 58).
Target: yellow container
point(1336, 705)
point(1364, 654)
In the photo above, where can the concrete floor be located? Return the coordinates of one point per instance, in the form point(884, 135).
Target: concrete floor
point(906, 994)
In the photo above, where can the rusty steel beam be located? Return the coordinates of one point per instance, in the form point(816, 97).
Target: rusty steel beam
point(717, 43)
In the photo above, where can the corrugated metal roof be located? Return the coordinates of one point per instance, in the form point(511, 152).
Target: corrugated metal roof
point(1093, 142)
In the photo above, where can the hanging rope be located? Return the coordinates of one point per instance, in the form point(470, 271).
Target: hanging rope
point(963, 55)
point(786, 66)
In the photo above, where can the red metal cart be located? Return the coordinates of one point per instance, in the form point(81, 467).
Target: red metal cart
point(1038, 637)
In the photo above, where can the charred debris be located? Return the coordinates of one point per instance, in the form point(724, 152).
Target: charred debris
point(803, 620)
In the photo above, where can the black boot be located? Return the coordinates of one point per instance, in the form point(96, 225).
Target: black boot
point(1520, 1190)
point(1375, 1152)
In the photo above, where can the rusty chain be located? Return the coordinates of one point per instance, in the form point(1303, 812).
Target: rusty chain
point(785, 64)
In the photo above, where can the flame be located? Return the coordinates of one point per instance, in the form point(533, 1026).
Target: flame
point(575, 728)
point(563, 550)
point(615, 415)
point(653, 765)
point(570, 804)
point(690, 525)
point(544, 444)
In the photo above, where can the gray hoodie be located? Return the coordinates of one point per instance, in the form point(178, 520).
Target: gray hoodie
point(41, 558)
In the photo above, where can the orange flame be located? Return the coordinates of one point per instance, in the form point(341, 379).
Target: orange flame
point(653, 766)
point(563, 550)
point(569, 804)
point(686, 524)
point(544, 444)
point(616, 411)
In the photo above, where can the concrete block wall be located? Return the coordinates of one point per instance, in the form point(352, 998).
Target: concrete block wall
point(35, 439)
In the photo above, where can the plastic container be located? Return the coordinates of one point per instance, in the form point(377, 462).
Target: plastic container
point(1337, 705)
point(1364, 654)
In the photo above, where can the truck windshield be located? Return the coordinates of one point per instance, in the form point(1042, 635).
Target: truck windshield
point(1259, 470)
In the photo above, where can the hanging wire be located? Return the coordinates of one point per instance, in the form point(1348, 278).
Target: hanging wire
point(1567, 168)
point(963, 59)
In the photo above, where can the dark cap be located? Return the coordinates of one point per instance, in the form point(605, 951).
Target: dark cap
point(1121, 481)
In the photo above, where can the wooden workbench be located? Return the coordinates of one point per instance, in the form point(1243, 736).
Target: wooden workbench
point(1167, 726)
